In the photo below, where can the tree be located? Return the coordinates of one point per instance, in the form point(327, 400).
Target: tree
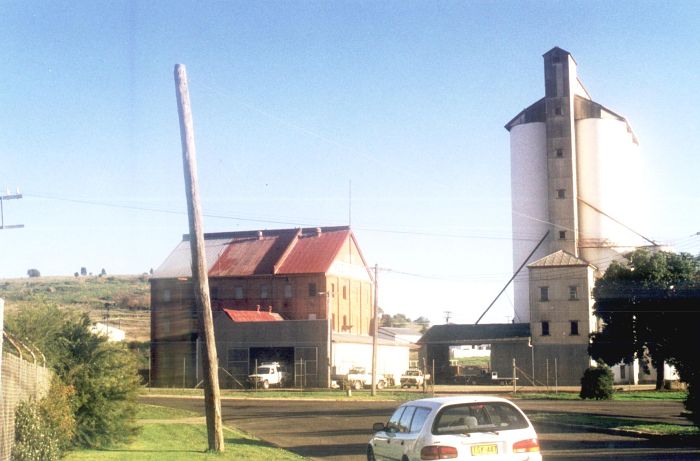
point(650, 307)
point(34, 273)
point(103, 375)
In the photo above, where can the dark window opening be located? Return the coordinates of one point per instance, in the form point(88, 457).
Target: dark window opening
point(562, 235)
point(574, 327)
point(561, 193)
point(545, 328)
point(544, 293)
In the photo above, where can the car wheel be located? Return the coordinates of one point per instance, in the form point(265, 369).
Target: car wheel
point(370, 454)
point(357, 385)
point(266, 384)
point(381, 385)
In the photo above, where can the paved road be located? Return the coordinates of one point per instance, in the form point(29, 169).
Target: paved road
point(338, 431)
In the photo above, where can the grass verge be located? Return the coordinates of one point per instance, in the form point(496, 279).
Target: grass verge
point(608, 422)
point(618, 396)
point(177, 435)
point(387, 394)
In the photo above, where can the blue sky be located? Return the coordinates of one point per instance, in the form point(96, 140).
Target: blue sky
point(299, 105)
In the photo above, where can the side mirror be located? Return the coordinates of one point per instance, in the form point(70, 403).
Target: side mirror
point(378, 427)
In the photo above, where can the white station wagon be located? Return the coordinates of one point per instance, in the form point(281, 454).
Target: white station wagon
point(461, 428)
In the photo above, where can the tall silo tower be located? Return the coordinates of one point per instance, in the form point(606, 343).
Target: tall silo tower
point(570, 161)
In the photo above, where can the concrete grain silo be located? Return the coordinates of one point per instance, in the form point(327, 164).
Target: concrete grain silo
point(574, 164)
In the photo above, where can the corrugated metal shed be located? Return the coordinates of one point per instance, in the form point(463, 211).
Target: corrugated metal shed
point(252, 316)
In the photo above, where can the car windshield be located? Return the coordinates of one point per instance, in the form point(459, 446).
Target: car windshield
point(478, 417)
point(264, 370)
point(357, 371)
point(412, 373)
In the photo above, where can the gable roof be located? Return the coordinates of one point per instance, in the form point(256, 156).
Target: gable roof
point(461, 334)
point(558, 259)
point(252, 316)
point(268, 252)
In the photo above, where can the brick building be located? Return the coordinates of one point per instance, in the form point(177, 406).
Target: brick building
point(316, 274)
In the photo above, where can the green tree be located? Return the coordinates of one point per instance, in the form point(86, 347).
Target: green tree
point(103, 375)
point(650, 307)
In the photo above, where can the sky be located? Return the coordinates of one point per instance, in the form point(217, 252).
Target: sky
point(388, 116)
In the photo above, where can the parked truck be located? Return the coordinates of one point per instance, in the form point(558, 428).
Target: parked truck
point(358, 378)
point(268, 374)
point(414, 377)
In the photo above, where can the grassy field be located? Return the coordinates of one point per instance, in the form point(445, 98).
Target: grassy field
point(128, 299)
point(621, 396)
point(177, 435)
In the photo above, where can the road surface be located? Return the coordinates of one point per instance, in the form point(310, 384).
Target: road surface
point(339, 430)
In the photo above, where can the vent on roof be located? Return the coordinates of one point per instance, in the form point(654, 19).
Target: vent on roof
point(318, 231)
point(260, 235)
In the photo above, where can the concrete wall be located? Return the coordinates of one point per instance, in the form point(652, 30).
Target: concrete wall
point(300, 341)
point(561, 364)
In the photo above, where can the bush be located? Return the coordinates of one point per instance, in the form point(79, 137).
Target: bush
point(597, 383)
point(34, 273)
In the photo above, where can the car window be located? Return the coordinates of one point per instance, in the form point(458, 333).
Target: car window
point(393, 424)
point(476, 417)
point(419, 417)
point(405, 423)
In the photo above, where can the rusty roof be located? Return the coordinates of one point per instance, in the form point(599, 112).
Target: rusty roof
point(266, 252)
point(252, 316)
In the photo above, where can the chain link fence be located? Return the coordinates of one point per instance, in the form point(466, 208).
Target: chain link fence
point(23, 375)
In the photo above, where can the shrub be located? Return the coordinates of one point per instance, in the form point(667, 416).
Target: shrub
point(34, 273)
point(44, 429)
point(597, 383)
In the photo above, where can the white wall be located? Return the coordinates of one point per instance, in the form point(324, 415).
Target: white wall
point(390, 359)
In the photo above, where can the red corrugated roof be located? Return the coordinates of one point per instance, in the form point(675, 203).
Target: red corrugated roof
point(314, 253)
point(252, 255)
point(283, 251)
point(252, 316)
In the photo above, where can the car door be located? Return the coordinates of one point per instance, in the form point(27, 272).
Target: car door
point(383, 439)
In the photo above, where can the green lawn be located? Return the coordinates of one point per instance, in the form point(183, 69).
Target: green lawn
point(608, 422)
point(178, 435)
point(620, 396)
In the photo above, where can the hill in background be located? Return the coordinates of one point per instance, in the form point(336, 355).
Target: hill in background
point(119, 301)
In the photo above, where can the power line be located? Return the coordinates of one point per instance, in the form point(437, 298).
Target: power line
point(8, 196)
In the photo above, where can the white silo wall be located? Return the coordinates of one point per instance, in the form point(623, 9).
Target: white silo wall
point(608, 172)
point(530, 214)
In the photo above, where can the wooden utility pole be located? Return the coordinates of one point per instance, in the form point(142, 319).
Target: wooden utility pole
point(374, 334)
point(200, 280)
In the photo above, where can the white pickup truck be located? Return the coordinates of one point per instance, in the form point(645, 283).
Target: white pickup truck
point(358, 378)
point(414, 377)
point(268, 374)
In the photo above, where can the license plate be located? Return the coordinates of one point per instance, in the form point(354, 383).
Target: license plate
point(490, 449)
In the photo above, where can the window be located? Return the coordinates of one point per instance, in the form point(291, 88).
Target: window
point(545, 328)
point(544, 293)
point(557, 110)
point(573, 293)
point(405, 422)
point(560, 153)
point(561, 193)
point(287, 291)
point(393, 424)
point(478, 417)
point(574, 327)
point(166, 296)
point(312, 290)
point(238, 293)
point(264, 292)
point(622, 372)
point(562, 235)
point(345, 292)
point(419, 418)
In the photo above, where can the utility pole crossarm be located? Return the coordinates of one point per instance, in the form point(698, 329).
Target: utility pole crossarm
point(8, 196)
